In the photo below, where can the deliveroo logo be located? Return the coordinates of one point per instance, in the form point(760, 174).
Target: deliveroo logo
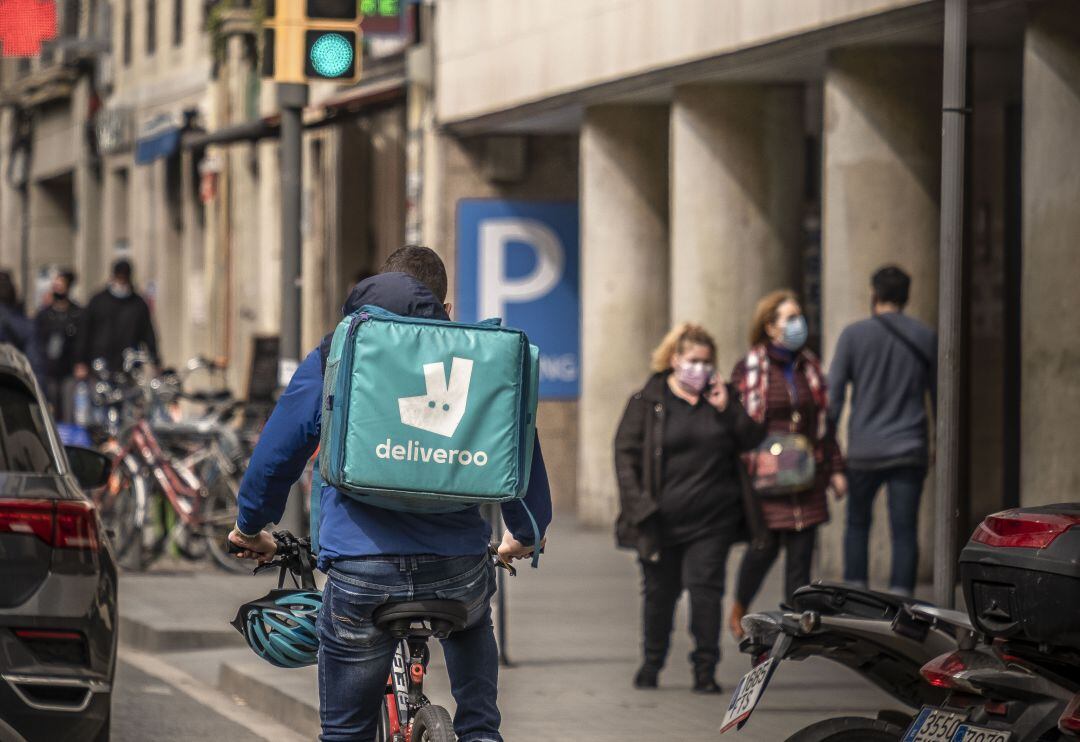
point(441, 409)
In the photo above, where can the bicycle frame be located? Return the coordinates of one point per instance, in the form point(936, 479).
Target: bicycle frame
point(405, 687)
point(181, 488)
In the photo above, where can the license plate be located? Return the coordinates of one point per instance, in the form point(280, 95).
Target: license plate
point(936, 725)
point(747, 694)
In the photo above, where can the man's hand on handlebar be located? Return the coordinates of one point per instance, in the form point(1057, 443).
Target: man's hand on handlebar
point(511, 549)
point(262, 547)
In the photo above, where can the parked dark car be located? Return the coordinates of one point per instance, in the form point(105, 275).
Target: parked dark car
point(57, 574)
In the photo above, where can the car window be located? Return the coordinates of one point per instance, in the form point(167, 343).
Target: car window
point(24, 441)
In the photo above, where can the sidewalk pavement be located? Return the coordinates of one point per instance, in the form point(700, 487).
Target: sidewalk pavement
point(573, 640)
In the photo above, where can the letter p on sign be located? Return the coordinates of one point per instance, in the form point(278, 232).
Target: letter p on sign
point(496, 288)
point(518, 260)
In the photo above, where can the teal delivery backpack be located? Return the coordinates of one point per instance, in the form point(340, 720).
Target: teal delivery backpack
point(424, 415)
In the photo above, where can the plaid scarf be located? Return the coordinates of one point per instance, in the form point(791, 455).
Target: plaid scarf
point(754, 386)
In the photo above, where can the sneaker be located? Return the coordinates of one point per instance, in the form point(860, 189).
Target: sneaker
point(646, 677)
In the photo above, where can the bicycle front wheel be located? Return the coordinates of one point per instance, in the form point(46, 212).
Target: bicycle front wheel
point(433, 724)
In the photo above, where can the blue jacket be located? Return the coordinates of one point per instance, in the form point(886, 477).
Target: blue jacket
point(348, 528)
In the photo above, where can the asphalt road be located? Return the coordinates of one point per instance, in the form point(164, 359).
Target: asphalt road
point(146, 708)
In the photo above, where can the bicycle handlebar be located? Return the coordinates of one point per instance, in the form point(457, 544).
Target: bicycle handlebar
point(294, 556)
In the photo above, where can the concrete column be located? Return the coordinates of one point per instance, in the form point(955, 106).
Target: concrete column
point(1050, 394)
point(624, 280)
point(737, 163)
point(10, 197)
point(881, 170)
point(87, 197)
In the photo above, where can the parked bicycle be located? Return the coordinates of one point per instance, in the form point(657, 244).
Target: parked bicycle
point(174, 480)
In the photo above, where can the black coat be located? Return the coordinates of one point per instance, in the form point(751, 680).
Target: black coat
point(639, 456)
point(111, 325)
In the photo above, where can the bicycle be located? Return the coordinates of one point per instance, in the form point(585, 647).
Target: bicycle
point(192, 466)
point(406, 714)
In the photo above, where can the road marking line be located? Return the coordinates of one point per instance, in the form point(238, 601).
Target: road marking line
point(209, 696)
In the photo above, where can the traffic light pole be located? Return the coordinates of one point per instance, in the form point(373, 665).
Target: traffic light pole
point(292, 97)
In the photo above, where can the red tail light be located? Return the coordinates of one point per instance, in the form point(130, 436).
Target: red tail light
point(951, 670)
point(28, 516)
point(76, 527)
point(1070, 718)
point(48, 634)
point(1017, 529)
point(944, 671)
point(66, 524)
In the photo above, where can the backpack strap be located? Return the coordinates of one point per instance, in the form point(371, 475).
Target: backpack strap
point(924, 361)
point(536, 535)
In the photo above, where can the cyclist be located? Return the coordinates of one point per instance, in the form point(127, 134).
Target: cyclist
point(374, 556)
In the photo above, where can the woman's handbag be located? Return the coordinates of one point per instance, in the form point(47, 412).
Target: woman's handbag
point(782, 464)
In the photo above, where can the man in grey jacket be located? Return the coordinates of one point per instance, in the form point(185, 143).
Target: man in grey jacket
point(890, 360)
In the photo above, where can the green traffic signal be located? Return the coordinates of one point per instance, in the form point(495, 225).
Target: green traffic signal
point(330, 54)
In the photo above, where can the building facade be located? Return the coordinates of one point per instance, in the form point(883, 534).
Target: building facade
point(719, 150)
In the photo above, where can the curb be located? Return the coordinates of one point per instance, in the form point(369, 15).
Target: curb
point(142, 635)
point(264, 697)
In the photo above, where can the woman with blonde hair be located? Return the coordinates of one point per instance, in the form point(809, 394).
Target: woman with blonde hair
point(680, 495)
point(782, 386)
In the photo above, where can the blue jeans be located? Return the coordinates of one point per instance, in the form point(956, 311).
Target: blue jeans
point(904, 484)
point(355, 656)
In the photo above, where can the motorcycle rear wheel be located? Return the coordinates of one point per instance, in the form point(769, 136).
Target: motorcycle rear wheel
point(849, 729)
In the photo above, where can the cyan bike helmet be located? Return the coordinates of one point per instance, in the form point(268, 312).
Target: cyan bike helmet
point(280, 626)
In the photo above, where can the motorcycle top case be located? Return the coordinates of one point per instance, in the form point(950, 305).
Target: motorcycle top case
point(424, 415)
point(1027, 594)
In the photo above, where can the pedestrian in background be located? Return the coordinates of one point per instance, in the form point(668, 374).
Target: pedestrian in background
point(681, 495)
point(115, 320)
point(890, 361)
point(57, 328)
point(16, 328)
point(781, 384)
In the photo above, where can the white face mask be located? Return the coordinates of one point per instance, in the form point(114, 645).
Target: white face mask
point(120, 291)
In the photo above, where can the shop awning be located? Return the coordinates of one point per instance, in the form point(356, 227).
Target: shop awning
point(159, 138)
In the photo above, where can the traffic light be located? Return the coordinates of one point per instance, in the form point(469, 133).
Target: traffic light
point(307, 40)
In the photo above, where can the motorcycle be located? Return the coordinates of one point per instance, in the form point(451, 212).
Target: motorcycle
point(1020, 682)
point(1008, 671)
point(884, 638)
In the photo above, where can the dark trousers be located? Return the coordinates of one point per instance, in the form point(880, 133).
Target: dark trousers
point(904, 485)
point(698, 566)
point(798, 553)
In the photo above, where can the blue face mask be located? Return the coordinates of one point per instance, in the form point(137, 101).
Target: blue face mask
point(795, 334)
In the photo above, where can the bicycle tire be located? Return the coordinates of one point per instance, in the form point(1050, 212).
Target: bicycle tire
point(849, 729)
point(433, 724)
point(219, 513)
point(132, 552)
point(117, 505)
point(153, 534)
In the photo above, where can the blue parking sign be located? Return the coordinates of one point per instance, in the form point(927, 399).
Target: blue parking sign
point(519, 260)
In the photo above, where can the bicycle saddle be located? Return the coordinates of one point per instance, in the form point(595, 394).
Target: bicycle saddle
point(421, 618)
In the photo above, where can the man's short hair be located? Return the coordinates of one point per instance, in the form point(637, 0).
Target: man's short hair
point(891, 285)
point(122, 269)
point(423, 264)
